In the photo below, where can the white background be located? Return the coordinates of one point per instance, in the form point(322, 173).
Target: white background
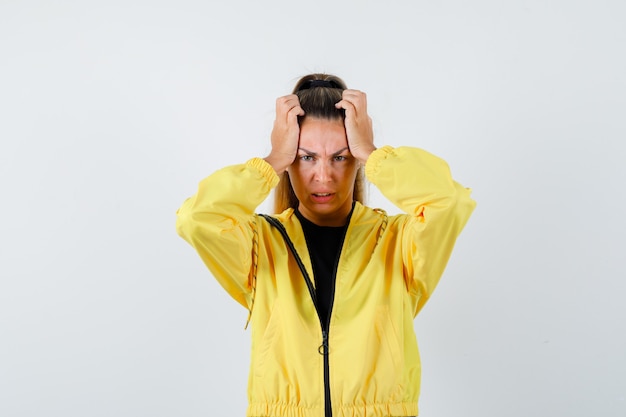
point(112, 111)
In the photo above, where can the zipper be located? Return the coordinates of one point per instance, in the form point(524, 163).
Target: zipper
point(328, 410)
point(326, 326)
point(324, 348)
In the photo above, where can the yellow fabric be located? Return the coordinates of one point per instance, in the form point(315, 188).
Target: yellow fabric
point(388, 269)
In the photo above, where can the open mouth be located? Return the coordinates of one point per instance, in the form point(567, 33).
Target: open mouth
point(322, 198)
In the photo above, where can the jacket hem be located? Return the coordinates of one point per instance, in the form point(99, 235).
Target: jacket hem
point(368, 410)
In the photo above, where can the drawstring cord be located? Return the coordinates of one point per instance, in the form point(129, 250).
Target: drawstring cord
point(255, 264)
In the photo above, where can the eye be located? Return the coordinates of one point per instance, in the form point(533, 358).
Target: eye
point(340, 158)
point(306, 158)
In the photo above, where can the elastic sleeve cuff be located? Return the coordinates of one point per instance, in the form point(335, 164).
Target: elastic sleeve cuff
point(373, 162)
point(266, 171)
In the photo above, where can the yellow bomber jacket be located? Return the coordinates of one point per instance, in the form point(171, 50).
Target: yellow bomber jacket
point(388, 268)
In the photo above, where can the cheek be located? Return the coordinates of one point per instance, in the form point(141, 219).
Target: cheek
point(296, 177)
point(351, 170)
point(349, 175)
point(296, 172)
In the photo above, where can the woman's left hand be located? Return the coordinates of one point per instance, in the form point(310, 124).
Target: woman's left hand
point(358, 124)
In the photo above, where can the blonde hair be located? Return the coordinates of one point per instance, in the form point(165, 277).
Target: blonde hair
point(317, 101)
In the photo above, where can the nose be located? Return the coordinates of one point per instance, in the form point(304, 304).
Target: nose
point(323, 171)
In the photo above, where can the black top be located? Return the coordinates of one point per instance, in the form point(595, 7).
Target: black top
point(324, 244)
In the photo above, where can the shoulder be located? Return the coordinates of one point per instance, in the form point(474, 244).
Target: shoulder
point(287, 220)
point(363, 213)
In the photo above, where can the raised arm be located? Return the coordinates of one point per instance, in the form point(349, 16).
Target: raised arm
point(219, 221)
point(437, 208)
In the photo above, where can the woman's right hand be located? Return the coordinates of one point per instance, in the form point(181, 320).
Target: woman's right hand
point(286, 133)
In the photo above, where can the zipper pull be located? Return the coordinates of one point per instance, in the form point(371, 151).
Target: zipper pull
point(323, 349)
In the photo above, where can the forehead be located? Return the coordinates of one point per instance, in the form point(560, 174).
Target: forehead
point(321, 135)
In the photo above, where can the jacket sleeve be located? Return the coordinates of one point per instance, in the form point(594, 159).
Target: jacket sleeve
point(437, 208)
point(219, 222)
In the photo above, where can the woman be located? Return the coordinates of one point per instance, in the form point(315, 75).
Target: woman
point(332, 286)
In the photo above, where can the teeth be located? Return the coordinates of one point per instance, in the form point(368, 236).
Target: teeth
point(322, 194)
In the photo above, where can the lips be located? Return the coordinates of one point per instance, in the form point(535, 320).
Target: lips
point(322, 198)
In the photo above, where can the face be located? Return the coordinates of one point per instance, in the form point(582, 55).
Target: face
point(324, 172)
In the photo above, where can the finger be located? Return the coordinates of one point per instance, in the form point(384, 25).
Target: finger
point(287, 104)
point(284, 104)
point(354, 103)
point(293, 113)
point(357, 98)
point(352, 92)
point(348, 106)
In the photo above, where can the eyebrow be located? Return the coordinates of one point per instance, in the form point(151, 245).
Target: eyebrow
point(311, 153)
